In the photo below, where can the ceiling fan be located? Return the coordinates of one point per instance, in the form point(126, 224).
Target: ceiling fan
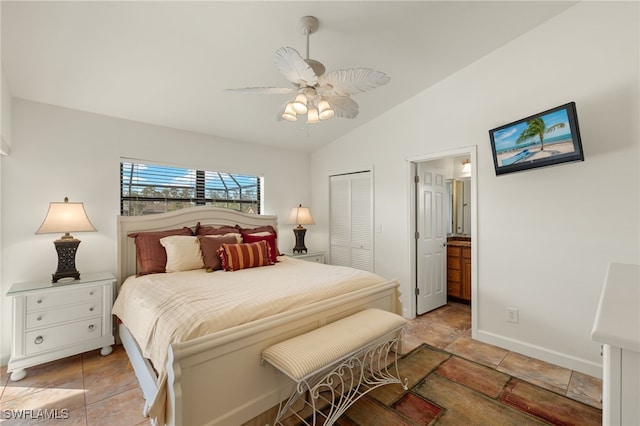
point(319, 95)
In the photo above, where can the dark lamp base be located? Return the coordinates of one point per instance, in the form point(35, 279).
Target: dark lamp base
point(299, 232)
point(66, 249)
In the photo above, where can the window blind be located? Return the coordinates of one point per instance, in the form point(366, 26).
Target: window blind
point(148, 189)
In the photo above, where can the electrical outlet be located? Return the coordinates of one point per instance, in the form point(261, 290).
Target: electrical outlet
point(512, 315)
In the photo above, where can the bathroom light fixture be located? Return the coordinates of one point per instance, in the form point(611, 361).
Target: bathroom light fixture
point(66, 217)
point(466, 166)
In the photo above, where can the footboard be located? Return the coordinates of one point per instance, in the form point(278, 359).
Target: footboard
point(219, 379)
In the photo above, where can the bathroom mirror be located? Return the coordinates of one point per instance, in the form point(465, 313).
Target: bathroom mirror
point(460, 206)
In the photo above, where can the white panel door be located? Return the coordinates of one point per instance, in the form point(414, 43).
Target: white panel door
point(340, 221)
point(431, 289)
point(351, 221)
point(361, 222)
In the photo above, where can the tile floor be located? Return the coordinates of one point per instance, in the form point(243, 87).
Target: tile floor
point(89, 389)
point(449, 328)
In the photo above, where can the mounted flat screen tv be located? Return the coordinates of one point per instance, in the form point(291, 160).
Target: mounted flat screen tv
point(547, 138)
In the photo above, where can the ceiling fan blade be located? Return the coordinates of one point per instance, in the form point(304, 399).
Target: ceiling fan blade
point(262, 90)
point(343, 106)
point(352, 81)
point(294, 67)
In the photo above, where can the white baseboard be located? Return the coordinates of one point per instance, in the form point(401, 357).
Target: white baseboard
point(563, 360)
point(4, 359)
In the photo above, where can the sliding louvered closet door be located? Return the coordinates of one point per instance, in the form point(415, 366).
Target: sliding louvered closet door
point(351, 219)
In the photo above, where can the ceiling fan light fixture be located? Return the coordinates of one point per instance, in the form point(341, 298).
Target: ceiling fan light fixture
point(299, 104)
point(289, 114)
point(324, 110)
point(313, 87)
point(312, 116)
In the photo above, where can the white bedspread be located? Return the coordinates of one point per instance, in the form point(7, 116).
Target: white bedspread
point(161, 309)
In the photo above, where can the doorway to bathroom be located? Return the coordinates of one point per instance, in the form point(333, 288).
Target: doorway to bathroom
point(443, 212)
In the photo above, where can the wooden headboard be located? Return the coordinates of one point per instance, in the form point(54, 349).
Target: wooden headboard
point(212, 216)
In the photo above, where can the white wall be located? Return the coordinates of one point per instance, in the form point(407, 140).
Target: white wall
point(58, 152)
point(545, 236)
point(5, 148)
point(5, 114)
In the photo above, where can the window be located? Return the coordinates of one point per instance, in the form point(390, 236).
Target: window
point(149, 189)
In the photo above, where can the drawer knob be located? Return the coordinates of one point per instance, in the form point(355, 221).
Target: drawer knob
point(38, 340)
point(92, 327)
point(91, 293)
point(39, 318)
point(39, 301)
point(91, 309)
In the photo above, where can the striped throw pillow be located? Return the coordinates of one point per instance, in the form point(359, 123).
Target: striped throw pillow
point(246, 255)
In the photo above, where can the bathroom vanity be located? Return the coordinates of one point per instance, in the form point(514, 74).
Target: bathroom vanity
point(459, 268)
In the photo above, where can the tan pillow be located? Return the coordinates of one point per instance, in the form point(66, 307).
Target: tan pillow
point(183, 253)
point(209, 245)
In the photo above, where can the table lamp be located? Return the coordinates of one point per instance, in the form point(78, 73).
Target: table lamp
point(300, 216)
point(66, 217)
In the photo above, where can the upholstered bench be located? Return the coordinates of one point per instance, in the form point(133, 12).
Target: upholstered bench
point(345, 359)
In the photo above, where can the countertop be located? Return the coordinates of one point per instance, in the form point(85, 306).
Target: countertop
point(618, 315)
point(459, 241)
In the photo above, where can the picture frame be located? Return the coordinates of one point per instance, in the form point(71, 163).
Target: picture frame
point(543, 139)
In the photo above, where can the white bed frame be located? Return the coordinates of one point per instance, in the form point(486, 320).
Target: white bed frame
point(218, 378)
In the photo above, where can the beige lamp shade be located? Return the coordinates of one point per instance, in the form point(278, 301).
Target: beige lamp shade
point(65, 217)
point(300, 216)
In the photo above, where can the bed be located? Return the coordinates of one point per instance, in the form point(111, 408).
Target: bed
point(216, 377)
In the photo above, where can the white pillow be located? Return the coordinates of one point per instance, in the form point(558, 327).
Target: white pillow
point(183, 253)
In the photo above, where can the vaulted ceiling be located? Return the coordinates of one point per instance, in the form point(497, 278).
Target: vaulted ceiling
point(168, 62)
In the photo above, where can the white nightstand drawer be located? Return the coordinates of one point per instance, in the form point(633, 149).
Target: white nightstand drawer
point(54, 316)
point(62, 297)
point(62, 335)
point(317, 257)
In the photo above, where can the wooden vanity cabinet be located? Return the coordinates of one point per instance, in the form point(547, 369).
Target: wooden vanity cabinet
point(459, 271)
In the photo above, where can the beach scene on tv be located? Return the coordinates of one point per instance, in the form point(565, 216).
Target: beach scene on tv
point(534, 139)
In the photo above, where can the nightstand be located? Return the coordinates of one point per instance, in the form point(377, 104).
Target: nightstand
point(56, 320)
point(317, 257)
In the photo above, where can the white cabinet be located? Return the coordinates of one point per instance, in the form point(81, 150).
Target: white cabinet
point(55, 320)
point(617, 326)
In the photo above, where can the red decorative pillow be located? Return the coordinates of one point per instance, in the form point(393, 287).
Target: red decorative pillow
point(151, 256)
point(209, 246)
point(269, 238)
point(246, 255)
point(261, 230)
